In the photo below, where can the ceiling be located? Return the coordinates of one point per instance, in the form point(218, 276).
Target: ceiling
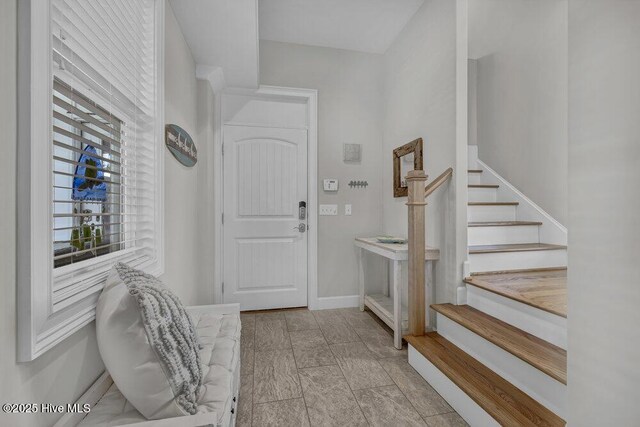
point(223, 38)
point(361, 25)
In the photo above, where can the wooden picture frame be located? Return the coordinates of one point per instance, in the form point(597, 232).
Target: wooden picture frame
point(414, 147)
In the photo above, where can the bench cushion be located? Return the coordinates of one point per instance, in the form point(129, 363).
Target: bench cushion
point(220, 358)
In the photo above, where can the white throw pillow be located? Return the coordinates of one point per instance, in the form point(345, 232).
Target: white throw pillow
point(148, 344)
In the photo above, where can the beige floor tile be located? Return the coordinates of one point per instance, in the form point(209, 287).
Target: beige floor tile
point(446, 420)
point(327, 314)
point(337, 330)
point(308, 357)
point(271, 335)
point(386, 406)
point(360, 319)
point(349, 309)
point(403, 374)
point(269, 315)
point(359, 366)
point(248, 332)
point(275, 376)
point(300, 320)
point(246, 360)
point(248, 317)
point(427, 401)
point(310, 349)
point(421, 395)
point(284, 355)
point(306, 339)
point(380, 343)
point(284, 413)
point(329, 400)
point(245, 401)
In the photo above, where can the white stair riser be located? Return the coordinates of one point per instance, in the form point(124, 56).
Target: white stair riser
point(474, 178)
point(458, 399)
point(544, 325)
point(478, 213)
point(523, 260)
point(540, 386)
point(504, 235)
point(483, 194)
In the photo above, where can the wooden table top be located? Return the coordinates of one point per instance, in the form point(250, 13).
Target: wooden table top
point(397, 251)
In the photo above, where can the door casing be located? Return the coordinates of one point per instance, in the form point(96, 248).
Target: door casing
point(310, 98)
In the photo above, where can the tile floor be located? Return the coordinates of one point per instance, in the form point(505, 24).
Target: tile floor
point(331, 368)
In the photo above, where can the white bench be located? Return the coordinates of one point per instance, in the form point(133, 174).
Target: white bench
point(110, 408)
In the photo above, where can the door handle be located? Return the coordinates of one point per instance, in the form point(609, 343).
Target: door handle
point(302, 227)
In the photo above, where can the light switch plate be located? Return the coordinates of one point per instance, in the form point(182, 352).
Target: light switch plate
point(347, 209)
point(328, 210)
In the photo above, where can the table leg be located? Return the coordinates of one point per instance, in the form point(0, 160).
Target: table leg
point(430, 315)
point(361, 277)
point(397, 304)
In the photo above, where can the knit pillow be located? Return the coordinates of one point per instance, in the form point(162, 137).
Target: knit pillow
point(148, 344)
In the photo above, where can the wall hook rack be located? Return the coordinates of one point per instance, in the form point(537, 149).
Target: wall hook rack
point(358, 184)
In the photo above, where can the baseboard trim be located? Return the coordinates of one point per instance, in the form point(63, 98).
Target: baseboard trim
point(346, 301)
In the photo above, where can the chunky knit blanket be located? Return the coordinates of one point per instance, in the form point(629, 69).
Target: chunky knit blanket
point(171, 334)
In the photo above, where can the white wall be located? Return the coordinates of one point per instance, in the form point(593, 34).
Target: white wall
point(62, 374)
point(349, 111)
point(604, 201)
point(420, 101)
point(189, 104)
point(472, 110)
point(521, 52)
point(205, 247)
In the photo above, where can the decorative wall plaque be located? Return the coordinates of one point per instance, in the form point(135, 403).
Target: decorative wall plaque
point(181, 145)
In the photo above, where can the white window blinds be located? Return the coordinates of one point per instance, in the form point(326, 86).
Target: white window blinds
point(90, 159)
point(103, 124)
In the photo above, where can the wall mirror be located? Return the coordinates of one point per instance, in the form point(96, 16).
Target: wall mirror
point(405, 158)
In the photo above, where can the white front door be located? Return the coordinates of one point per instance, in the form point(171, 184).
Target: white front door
point(265, 238)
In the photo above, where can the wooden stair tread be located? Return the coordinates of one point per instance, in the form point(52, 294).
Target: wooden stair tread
point(483, 186)
point(540, 354)
point(493, 203)
point(545, 289)
point(501, 223)
point(514, 247)
point(474, 170)
point(506, 403)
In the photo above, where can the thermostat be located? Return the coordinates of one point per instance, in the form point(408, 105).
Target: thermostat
point(331, 185)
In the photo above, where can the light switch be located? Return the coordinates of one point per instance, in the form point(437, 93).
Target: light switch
point(328, 210)
point(347, 209)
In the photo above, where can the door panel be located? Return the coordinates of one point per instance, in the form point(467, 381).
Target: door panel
point(266, 178)
point(265, 255)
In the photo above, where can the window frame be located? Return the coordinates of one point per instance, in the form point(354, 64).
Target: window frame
point(55, 303)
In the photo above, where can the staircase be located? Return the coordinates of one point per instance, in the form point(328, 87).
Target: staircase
point(500, 358)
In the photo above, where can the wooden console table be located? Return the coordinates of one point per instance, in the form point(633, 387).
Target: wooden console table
point(388, 308)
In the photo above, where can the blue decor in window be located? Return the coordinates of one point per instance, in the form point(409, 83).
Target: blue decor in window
point(88, 184)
